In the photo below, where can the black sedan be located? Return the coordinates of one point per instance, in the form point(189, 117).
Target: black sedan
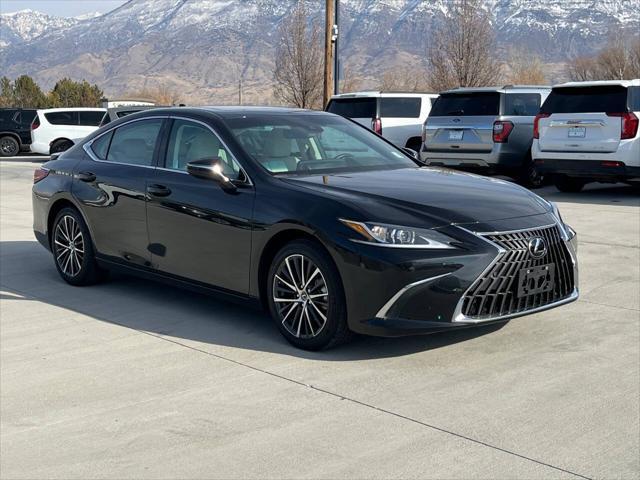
point(328, 225)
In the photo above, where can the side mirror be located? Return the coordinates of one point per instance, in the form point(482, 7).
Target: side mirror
point(411, 152)
point(211, 169)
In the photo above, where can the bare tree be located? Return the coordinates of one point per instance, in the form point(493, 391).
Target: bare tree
point(298, 72)
point(619, 60)
point(161, 95)
point(349, 82)
point(462, 51)
point(403, 79)
point(526, 68)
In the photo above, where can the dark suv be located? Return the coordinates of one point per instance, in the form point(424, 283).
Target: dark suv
point(15, 130)
point(490, 129)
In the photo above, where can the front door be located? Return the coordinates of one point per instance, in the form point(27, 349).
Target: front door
point(198, 230)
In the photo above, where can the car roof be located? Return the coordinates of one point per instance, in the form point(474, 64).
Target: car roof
point(500, 89)
point(601, 83)
point(377, 94)
point(227, 111)
point(73, 109)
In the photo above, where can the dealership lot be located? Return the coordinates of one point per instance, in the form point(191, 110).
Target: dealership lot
point(132, 379)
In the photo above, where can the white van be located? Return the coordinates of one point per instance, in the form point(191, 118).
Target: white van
point(55, 130)
point(398, 117)
point(588, 132)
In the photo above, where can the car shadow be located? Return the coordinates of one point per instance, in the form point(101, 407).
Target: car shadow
point(28, 274)
point(596, 194)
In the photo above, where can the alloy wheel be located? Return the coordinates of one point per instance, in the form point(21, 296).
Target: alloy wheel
point(69, 246)
point(8, 146)
point(301, 296)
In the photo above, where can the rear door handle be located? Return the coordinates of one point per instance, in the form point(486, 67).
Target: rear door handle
point(158, 190)
point(87, 177)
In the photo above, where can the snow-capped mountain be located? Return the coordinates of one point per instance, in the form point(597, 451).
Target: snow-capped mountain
point(203, 47)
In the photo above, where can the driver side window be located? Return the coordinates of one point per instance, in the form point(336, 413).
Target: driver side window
point(190, 141)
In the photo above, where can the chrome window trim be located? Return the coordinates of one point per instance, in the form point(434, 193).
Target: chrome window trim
point(382, 313)
point(460, 318)
point(87, 145)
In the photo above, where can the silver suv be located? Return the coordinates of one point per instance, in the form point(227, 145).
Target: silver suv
point(487, 129)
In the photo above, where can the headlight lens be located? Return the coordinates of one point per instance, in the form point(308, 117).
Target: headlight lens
point(397, 236)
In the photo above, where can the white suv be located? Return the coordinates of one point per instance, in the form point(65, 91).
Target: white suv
point(588, 132)
point(55, 130)
point(398, 117)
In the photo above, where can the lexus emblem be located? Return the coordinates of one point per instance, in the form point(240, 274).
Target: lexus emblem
point(537, 247)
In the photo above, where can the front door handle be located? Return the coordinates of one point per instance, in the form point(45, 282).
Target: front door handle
point(87, 177)
point(158, 190)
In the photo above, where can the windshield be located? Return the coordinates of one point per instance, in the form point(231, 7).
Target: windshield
point(466, 104)
point(299, 144)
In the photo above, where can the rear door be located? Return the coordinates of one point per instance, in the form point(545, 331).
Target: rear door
point(361, 109)
point(578, 119)
point(462, 122)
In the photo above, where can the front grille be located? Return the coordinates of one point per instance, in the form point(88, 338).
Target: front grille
point(495, 292)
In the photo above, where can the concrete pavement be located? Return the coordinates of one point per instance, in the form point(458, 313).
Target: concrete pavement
point(133, 379)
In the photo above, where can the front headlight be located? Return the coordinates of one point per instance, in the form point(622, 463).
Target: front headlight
point(386, 235)
point(567, 232)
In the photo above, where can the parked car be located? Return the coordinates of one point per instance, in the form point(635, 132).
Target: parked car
point(588, 132)
point(55, 130)
point(115, 113)
point(398, 117)
point(489, 130)
point(15, 130)
point(330, 226)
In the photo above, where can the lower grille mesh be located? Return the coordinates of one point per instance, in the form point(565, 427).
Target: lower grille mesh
point(495, 293)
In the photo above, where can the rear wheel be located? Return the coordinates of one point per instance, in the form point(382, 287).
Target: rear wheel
point(60, 146)
point(73, 249)
point(9, 147)
point(414, 144)
point(529, 176)
point(569, 184)
point(306, 297)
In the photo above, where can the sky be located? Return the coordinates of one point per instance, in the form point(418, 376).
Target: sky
point(60, 8)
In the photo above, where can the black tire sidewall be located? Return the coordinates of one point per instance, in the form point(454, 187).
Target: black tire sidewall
point(17, 147)
point(89, 272)
point(336, 317)
point(55, 148)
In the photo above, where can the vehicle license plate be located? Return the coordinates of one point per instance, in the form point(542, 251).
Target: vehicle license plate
point(577, 132)
point(456, 134)
point(534, 280)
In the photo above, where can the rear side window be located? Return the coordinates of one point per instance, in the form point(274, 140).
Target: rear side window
point(396, 107)
point(91, 119)
point(62, 118)
point(465, 104)
point(6, 115)
point(124, 113)
point(586, 100)
point(28, 116)
point(135, 143)
point(100, 146)
point(522, 104)
point(634, 98)
point(353, 107)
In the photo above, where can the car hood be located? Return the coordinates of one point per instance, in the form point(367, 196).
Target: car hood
point(445, 196)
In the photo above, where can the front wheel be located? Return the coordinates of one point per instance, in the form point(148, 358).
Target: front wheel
point(306, 297)
point(73, 250)
point(569, 184)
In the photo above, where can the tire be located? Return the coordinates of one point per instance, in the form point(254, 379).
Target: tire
point(569, 184)
point(314, 318)
point(414, 144)
point(76, 265)
point(9, 147)
point(529, 176)
point(60, 146)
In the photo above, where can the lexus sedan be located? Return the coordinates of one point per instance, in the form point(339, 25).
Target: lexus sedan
point(329, 226)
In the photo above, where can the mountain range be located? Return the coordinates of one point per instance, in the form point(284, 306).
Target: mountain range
point(203, 48)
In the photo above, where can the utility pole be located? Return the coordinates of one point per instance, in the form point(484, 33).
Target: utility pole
point(329, 40)
point(336, 44)
point(240, 92)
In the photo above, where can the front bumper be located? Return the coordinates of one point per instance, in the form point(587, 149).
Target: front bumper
point(439, 301)
point(589, 169)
